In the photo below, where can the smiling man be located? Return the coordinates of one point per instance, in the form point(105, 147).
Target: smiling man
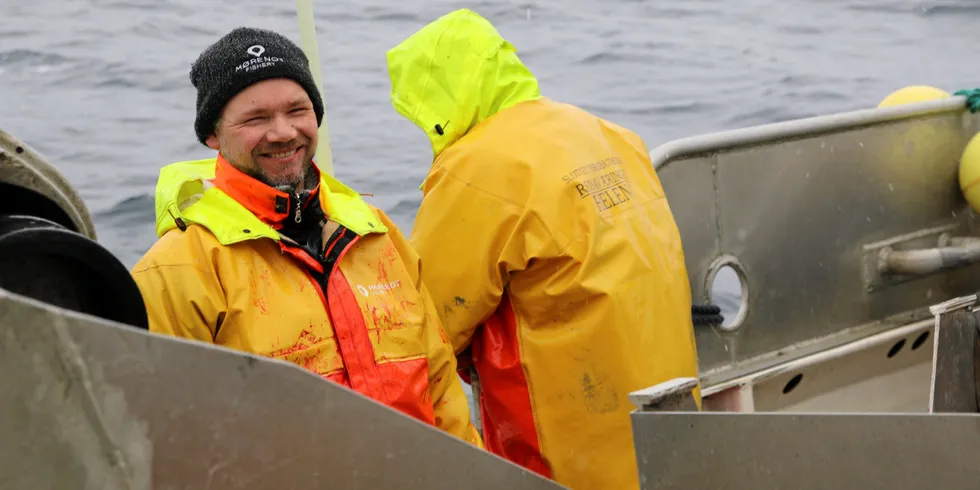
point(260, 252)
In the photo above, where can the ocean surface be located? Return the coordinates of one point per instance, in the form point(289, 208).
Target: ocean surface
point(101, 87)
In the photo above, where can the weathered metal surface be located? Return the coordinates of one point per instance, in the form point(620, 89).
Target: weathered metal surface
point(801, 205)
point(670, 396)
point(94, 405)
point(886, 372)
point(954, 385)
point(22, 167)
point(920, 262)
point(755, 451)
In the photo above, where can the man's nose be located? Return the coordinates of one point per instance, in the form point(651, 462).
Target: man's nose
point(281, 130)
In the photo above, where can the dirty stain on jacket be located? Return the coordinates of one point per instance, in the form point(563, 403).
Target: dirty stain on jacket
point(550, 251)
point(350, 308)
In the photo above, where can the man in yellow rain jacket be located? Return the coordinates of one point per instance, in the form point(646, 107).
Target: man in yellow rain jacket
point(260, 252)
point(550, 251)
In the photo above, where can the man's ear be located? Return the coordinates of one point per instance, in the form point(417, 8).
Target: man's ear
point(212, 142)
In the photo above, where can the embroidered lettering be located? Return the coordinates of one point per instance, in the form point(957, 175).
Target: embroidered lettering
point(378, 289)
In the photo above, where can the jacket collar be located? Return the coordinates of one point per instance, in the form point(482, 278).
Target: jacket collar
point(185, 194)
point(272, 206)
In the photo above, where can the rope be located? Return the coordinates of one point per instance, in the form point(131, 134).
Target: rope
point(706, 315)
point(972, 98)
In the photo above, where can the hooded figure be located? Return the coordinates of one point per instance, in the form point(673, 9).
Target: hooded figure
point(550, 252)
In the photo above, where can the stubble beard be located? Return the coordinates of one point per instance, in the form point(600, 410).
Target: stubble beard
point(290, 185)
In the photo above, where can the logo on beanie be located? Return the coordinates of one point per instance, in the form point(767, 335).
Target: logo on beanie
point(258, 61)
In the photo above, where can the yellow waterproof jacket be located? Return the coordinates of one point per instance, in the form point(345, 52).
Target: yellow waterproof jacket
point(550, 252)
point(221, 273)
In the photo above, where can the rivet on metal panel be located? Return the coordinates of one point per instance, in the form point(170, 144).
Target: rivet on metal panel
point(720, 280)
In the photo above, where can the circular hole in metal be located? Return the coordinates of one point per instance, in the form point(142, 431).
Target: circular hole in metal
point(896, 348)
point(728, 290)
point(792, 383)
point(921, 339)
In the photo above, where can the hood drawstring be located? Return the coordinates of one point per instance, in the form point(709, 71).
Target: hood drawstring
point(440, 128)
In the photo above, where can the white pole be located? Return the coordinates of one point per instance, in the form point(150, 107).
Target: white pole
point(307, 36)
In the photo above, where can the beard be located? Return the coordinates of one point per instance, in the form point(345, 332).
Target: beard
point(284, 182)
point(287, 183)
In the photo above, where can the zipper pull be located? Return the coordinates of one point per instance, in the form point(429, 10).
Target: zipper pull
point(299, 209)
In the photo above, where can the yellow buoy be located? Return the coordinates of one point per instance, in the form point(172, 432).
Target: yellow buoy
point(970, 172)
point(914, 93)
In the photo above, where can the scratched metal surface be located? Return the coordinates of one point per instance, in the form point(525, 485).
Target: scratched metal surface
point(94, 405)
point(797, 202)
point(769, 451)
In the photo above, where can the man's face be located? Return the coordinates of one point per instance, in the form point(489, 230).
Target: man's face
point(269, 131)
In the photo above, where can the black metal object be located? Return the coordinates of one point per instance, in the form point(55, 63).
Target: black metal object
point(46, 261)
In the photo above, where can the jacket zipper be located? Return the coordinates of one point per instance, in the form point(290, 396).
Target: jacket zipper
point(298, 213)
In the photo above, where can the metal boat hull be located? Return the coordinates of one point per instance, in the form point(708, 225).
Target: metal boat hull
point(807, 212)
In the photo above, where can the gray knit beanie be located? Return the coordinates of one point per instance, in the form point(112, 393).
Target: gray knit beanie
point(242, 57)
